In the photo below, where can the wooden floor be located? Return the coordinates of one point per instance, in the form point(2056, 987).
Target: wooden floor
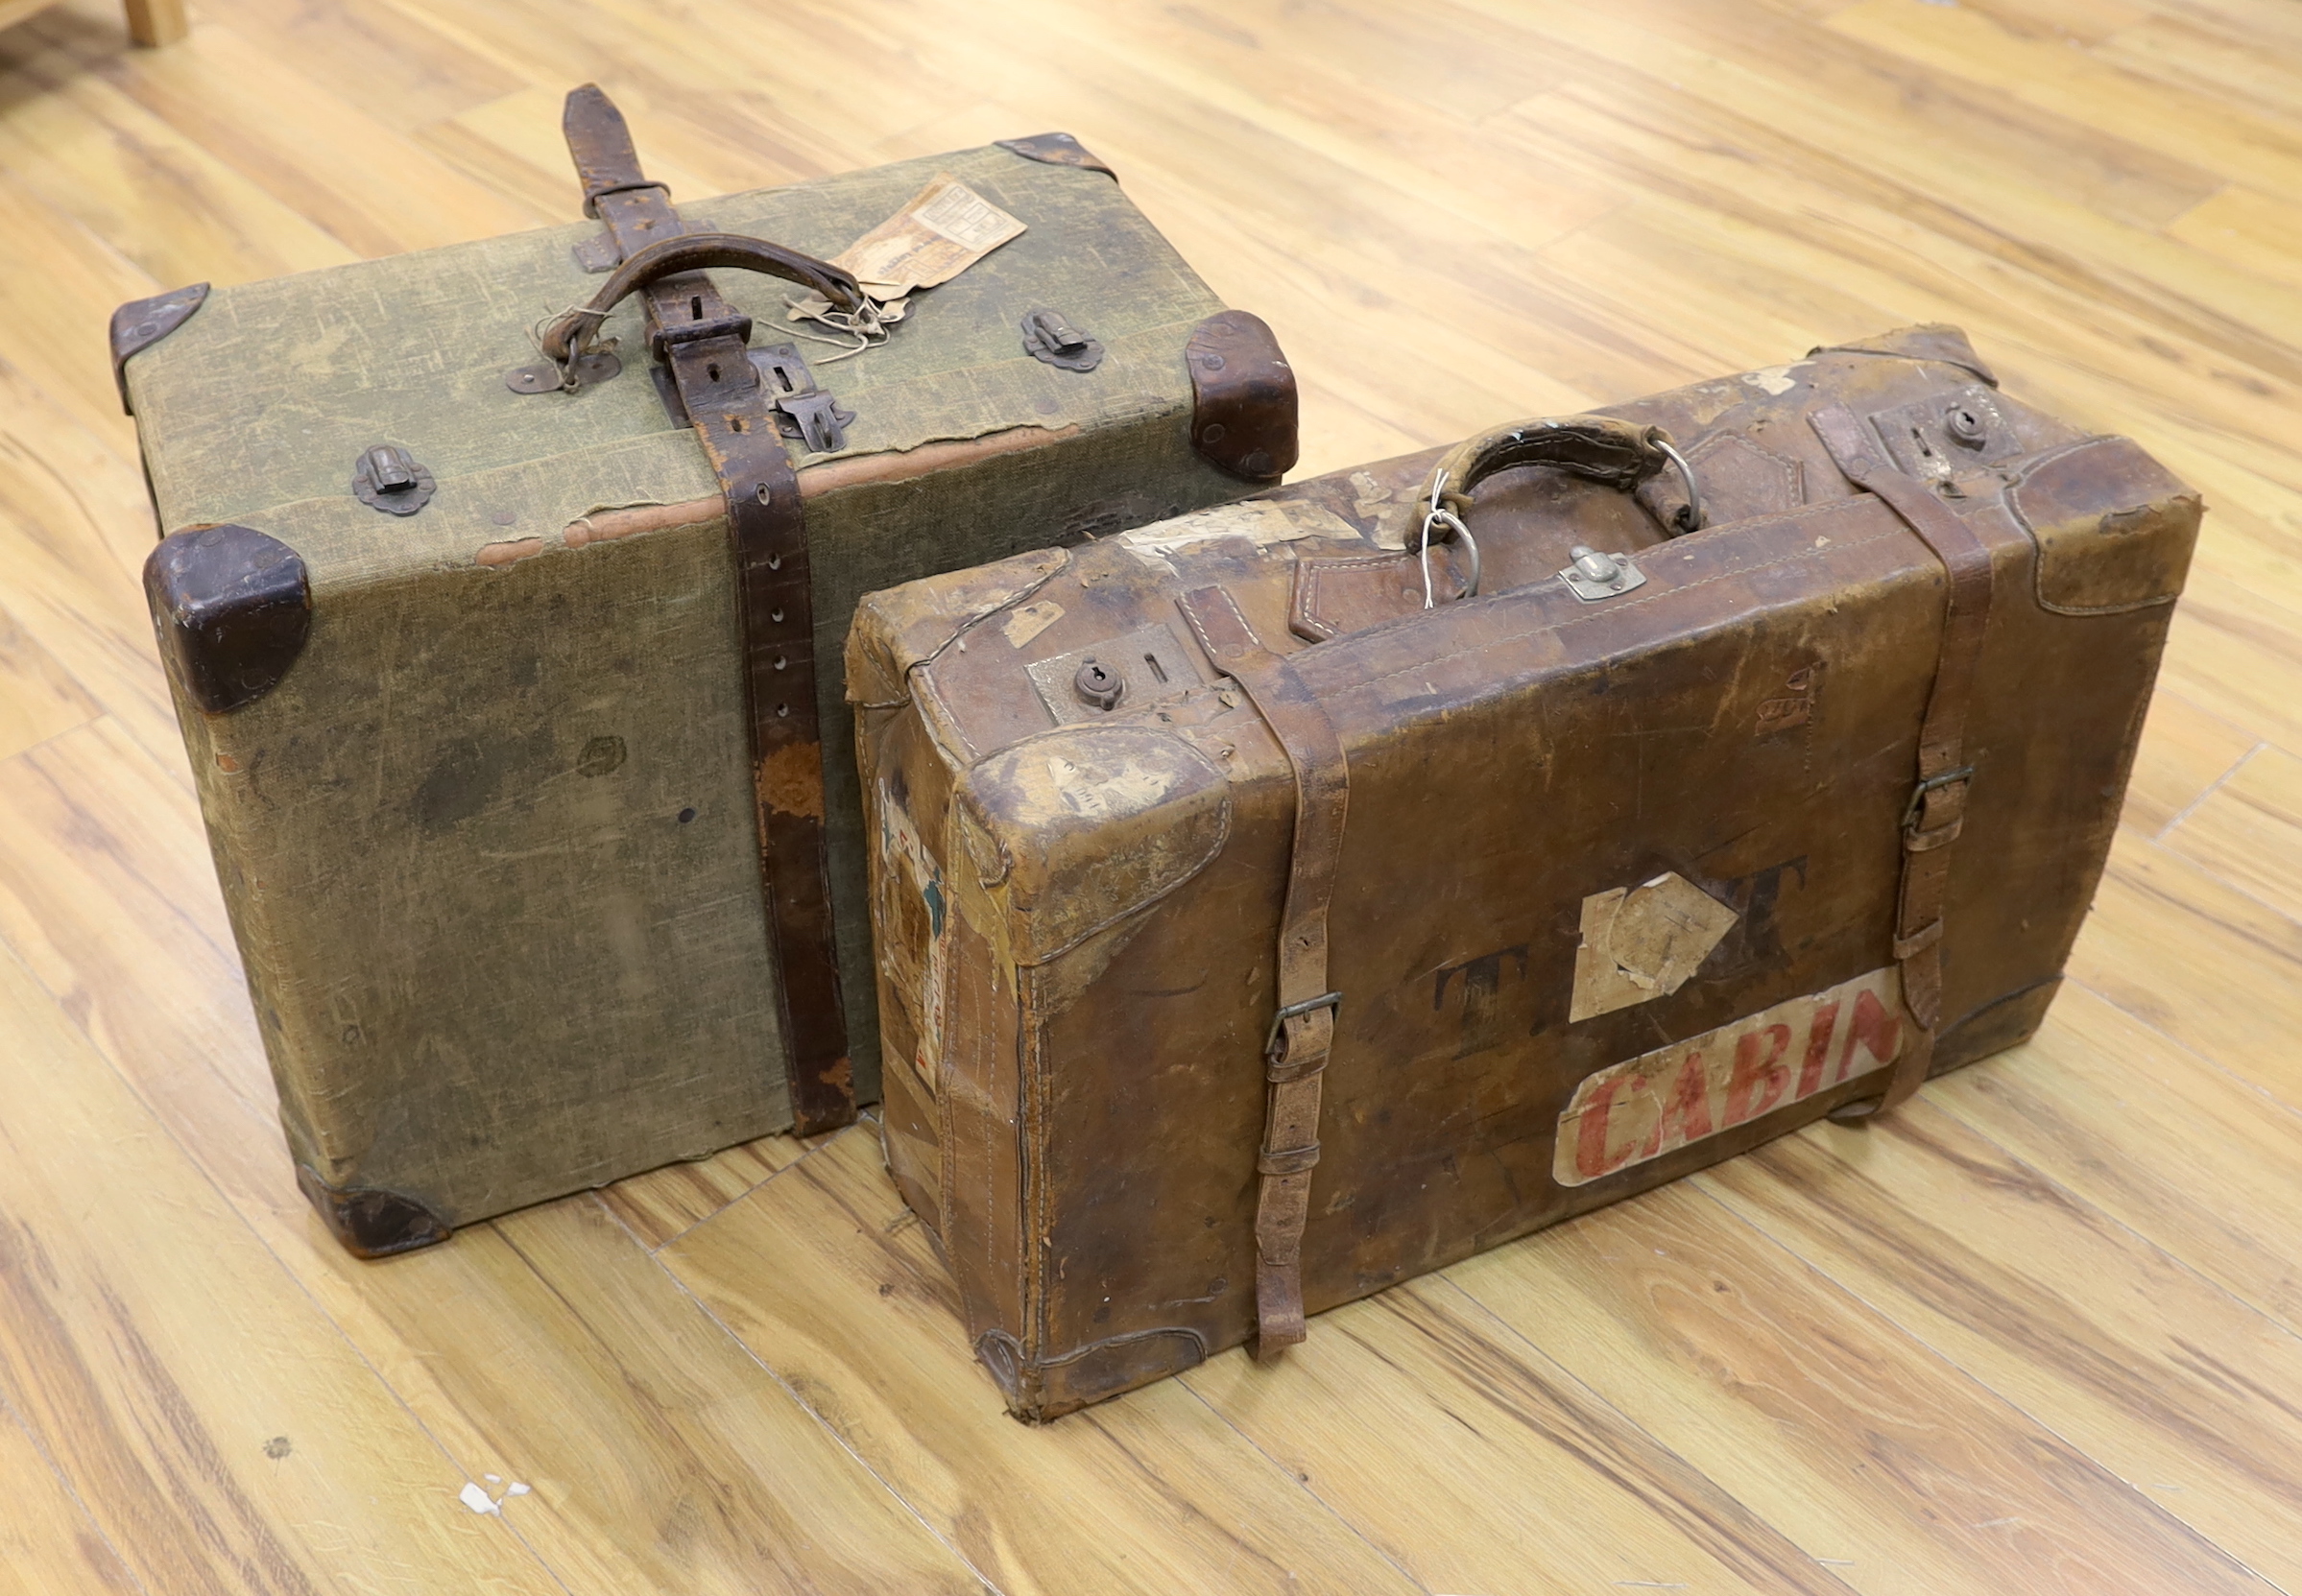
point(2042, 1332)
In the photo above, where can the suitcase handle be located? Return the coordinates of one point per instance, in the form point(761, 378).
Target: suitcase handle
point(1599, 448)
point(569, 335)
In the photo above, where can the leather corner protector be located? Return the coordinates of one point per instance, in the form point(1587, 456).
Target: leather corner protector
point(1057, 150)
point(1243, 403)
point(140, 323)
point(232, 607)
point(369, 1221)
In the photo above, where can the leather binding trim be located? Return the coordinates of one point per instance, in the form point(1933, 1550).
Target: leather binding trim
point(232, 607)
point(1243, 404)
point(1938, 799)
point(370, 1222)
point(775, 600)
point(140, 323)
point(1933, 340)
point(1057, 150)
point(1297, 1057)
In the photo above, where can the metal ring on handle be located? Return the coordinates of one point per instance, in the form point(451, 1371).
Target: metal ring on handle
point(1439, 515)
point(1695, 497)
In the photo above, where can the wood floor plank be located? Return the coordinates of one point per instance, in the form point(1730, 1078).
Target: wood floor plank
point(296, 137)
point(1893, 1468)
point(2156, 1374)
point(1966, 44)
point(2198, 959)
point(74, 531)
point(663, 1202)
point(180, 214)
point(58, 285)
point(222, 1433)
point(2184, 751)
point(38, 698)
point(2184, 1154)
point(1395, 1403)
point(1149, 1493)
point(2248, 831)
point(48, 1544)
point(660, 1456)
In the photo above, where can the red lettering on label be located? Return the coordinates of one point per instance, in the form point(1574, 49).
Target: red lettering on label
point(1590, 1157)
point(1768, 1078)
point(1874, 1028)
point(1689, 1104)
point(1818, 1050)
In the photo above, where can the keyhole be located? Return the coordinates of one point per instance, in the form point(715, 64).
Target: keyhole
point(1157, 673)
point(695, 308)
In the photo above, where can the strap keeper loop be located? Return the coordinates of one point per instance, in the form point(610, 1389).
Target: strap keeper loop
point(1918, 941)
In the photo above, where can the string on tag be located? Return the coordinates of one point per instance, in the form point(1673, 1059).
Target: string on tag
point(870, 323)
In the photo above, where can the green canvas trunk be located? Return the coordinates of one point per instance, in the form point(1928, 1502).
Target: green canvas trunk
point(489, 783)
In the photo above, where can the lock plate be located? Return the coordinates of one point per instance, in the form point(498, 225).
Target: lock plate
point(1147, 665)
point(1935, 440)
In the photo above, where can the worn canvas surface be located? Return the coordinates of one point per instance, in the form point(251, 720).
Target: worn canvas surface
point(488, 847)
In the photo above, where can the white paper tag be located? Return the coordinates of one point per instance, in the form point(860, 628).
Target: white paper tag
point(945, 228)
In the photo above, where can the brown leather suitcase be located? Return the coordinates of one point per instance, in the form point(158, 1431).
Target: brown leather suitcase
point(1275, 903)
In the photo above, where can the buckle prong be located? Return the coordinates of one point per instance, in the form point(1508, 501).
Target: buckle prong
point(1918, 794)
point(1296, 1010)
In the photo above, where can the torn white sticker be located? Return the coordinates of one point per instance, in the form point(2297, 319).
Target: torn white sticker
point(1773, 380)
point(1263, 522)
point(1030, 621)
point(1642, 942)
point(945, 228)
point(475, 1495)
point(1636, 1111)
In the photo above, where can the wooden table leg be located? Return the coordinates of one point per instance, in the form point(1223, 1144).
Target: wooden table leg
point(156, 22)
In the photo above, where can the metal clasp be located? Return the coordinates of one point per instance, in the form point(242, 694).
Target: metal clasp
point(804, 410)
point(1296, 1010)
point(387, 477)
point(1047, 336)
point(1596, 576)
point(1918, 794)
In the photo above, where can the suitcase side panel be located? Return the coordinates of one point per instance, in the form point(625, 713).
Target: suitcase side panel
point(486, 845)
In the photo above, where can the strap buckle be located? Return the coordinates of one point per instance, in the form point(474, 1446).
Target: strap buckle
point(1918, 796)
point(1296, 1010)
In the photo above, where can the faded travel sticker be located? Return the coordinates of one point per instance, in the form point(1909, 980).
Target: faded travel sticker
point(1656, 1103)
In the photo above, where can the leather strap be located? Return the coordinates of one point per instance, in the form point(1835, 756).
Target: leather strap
point(1303, 1033)
point(1936, 813)
point(775, 600)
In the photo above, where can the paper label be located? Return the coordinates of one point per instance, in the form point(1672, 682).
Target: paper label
point(1642, 942)
point(945, 228)
point(1660, 1101)
point(1263, 522)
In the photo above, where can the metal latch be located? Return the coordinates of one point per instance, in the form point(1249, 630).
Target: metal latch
point(1050, 338)
point(387, 478)
point(1596, 576)
point(802, 410)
